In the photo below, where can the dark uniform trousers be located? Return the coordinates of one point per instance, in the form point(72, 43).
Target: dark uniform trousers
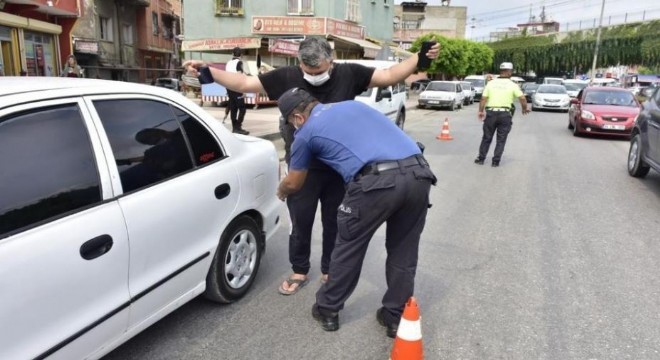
point(236, 109)
point(398, 197)
point(327, 186)
point(501, 122)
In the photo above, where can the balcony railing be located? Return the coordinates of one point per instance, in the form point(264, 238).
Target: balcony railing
point(229, 8)
point(143, 3)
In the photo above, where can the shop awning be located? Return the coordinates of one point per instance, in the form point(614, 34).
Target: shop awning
point(370, 49)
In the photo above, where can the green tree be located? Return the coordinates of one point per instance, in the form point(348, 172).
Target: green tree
point(457, 57)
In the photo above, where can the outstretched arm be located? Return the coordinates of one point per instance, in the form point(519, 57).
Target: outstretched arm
point(233, 81)
point(400, 71)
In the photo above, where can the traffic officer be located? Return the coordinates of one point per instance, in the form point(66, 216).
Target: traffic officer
point(497, 99)
point(388, 180)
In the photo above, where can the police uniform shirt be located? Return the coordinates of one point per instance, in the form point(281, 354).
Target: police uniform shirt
point(348, 135)
point(345, 83)
point(234, 65)
point(501, 93)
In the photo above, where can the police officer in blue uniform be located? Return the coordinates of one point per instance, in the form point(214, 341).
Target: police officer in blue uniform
point(387, 181)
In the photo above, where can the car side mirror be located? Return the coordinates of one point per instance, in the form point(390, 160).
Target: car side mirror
point(575, 101)
point(385, 94)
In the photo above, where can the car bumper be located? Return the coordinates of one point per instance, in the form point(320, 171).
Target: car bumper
point(551, 106)
point(605, 128)
point(433, 102)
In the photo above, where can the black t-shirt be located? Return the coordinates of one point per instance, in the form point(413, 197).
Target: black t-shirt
point(346, 82)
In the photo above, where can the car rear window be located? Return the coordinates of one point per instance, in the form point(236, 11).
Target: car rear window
point(606, 97)
point(440, 86)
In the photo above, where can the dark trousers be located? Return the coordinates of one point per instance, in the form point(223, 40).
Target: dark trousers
point(327, 186)
point(398, 197)
point(499, 121)
point(236, 107)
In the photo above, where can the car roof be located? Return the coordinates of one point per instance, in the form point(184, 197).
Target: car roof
point(605, 88)
point(12, 85)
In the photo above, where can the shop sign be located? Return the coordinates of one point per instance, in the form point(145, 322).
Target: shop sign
point(86, 47)
point(221, 44)
point(283, 47)
point(296, 25)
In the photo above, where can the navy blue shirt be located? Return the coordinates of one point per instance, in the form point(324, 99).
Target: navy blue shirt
point(348, 135)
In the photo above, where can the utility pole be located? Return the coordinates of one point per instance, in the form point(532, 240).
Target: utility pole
point(600, 25)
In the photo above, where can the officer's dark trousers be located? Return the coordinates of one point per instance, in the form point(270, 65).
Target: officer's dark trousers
point(327, 186)
point(499, 121)
point(236, 109)
point(399, 197)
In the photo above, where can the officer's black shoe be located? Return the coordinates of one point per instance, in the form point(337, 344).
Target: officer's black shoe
point(391, 328)
point(495, 163)
point(329, 320)
point(241, 131)
point(479, 161)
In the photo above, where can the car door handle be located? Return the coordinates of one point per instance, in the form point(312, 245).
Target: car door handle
point(96, 247)
point(222, 191)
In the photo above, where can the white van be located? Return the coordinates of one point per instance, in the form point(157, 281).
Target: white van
point(390, 100)
point(478, 83)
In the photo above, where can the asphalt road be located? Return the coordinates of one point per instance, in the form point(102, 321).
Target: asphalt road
point(553, 255)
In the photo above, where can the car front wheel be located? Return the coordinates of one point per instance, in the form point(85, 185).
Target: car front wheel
point(636, 165)
point(401, 119)
point(236, 261)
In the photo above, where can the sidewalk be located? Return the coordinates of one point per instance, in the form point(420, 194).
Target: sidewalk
point(264, 121)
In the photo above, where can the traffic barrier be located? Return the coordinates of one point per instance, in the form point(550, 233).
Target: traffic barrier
point(408, 341)
point(444, 133)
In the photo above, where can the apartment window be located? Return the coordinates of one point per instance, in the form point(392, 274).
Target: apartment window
point(154, 22)
point(127, 34)
point(300, 7)
point(353, 11)
point(105, 25)
point(229, 7)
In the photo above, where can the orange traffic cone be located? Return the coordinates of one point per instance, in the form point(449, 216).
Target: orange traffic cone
point(408, 342)
point(444, 134)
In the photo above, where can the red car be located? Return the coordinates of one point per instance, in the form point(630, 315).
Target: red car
point(604, 111)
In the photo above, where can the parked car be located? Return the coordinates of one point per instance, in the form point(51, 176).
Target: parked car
point(468, 92)
point(168, 83)
point(572, 90)
point(581, 84)
point(442, 94)
point(529, 89)
point(420, 84)
point(644, 153)
point(479, 83)
point(551, 97)
point(553, 80)
point(603, 110)
point(119, 203)
point(389, 100)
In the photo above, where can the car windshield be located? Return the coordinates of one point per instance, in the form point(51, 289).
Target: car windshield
point(552, 89)
point(530, 87)
point(440, 86)
point(579, 85)
point(476, 82)
point(466, 85)
point(554, 81)
point(605, 97)
point(572, 87)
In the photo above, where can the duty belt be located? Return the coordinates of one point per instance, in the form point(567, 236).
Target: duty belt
point(380, 166)
point(498, 109)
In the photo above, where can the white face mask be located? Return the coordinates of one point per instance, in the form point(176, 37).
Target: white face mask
point(317, 80)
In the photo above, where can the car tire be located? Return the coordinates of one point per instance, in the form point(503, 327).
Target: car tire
point(240, 250)
point(401, 118)
point(533, 108)
point(570, 126)
point(576, 129)
point(452, 107)
point(636, 165)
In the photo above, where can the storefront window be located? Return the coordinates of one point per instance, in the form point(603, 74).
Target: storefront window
point(6, 68)
point(39, 54)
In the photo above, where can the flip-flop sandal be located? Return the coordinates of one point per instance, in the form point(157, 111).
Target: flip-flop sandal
point(324, 279)
point(290, 281)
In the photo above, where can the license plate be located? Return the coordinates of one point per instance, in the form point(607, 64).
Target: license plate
point(614, 127)
point(434, 102)
point(551, 104)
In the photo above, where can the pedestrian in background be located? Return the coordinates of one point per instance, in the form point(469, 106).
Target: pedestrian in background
point(497, 100)
point(72, 69)
point(328, 82)
point(236, 99)
point(388, 181)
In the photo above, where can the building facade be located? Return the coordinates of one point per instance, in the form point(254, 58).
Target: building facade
point(273, 29)
point(128, 40)
point(34, 36)
point(414, 19)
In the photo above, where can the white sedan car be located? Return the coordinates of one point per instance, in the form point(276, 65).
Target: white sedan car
point(119, 203)
point(551, 97)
